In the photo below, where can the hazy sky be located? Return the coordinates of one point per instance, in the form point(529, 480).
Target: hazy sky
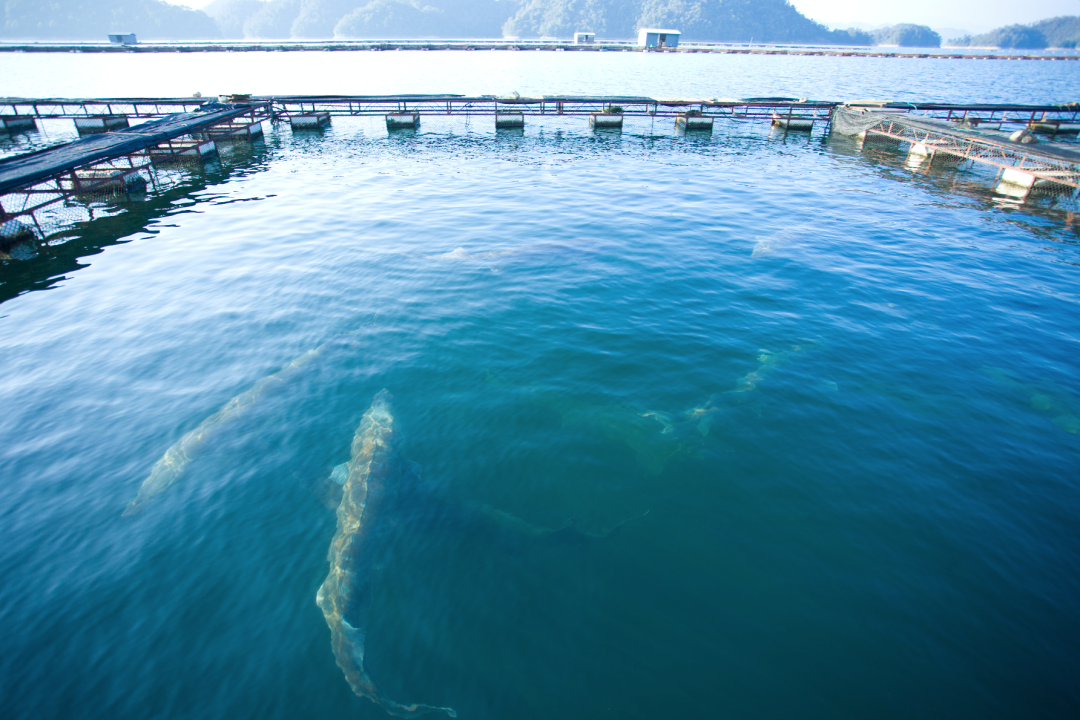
point(974, 15)
point(971, 15)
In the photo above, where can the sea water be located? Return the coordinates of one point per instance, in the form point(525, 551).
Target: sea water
point(827, 401)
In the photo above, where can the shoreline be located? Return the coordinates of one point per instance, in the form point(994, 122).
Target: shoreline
point(504, 45)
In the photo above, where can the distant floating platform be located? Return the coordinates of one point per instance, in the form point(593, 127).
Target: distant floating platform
point(516, 45)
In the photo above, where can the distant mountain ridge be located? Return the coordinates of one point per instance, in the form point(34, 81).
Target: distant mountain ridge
point(765, 21)
point(91, 20)
point(774, 21)
point(1057, 32)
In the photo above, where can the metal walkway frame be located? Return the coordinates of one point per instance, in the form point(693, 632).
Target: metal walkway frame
point(817, 112)
point(96, 107)
point(111, 163)
point(983, 115)
point(1027, 165)
point(568, 105)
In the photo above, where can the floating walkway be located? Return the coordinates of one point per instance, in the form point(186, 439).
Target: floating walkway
point(1024, 164)
point(33, 186)
point(512, 45)
point(116, 159)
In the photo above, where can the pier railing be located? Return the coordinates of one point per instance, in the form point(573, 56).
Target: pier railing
point(571, 105)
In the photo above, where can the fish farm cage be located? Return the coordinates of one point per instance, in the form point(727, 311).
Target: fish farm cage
point(133, 146)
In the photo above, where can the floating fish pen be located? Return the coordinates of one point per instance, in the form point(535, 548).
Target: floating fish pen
point(312, 112)
point(41, 191)
point(110, 162)
point(513, 110)
point(1023, 165)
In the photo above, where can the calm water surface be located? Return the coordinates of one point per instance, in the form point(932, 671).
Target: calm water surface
point(834, 398)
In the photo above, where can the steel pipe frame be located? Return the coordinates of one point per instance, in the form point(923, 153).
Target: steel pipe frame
point(633, 107)
point(67, 108)
point(1004, 157)
point(68, 185)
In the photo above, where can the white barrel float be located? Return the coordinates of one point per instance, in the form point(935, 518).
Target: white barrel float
point(312, 121)
point(606, 120)
point(403, 121)
point(693, 122)
point(505, 120)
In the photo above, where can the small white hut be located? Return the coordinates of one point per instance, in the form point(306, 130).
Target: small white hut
point(584, 38)
point(652, 37)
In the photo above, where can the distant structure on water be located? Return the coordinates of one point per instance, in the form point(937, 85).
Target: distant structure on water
point(651, 37)
point(124, 39)
point(584, 38)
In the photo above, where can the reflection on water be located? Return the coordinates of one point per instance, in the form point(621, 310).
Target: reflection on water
point(111, 221)
point(1052, 216)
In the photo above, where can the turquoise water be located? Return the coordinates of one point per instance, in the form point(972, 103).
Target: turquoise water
point(827, 402)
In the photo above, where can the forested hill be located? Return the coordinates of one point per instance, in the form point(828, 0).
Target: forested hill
point(701, 20)
point(93, 20)
point(770, 21)
point(1058, 32)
